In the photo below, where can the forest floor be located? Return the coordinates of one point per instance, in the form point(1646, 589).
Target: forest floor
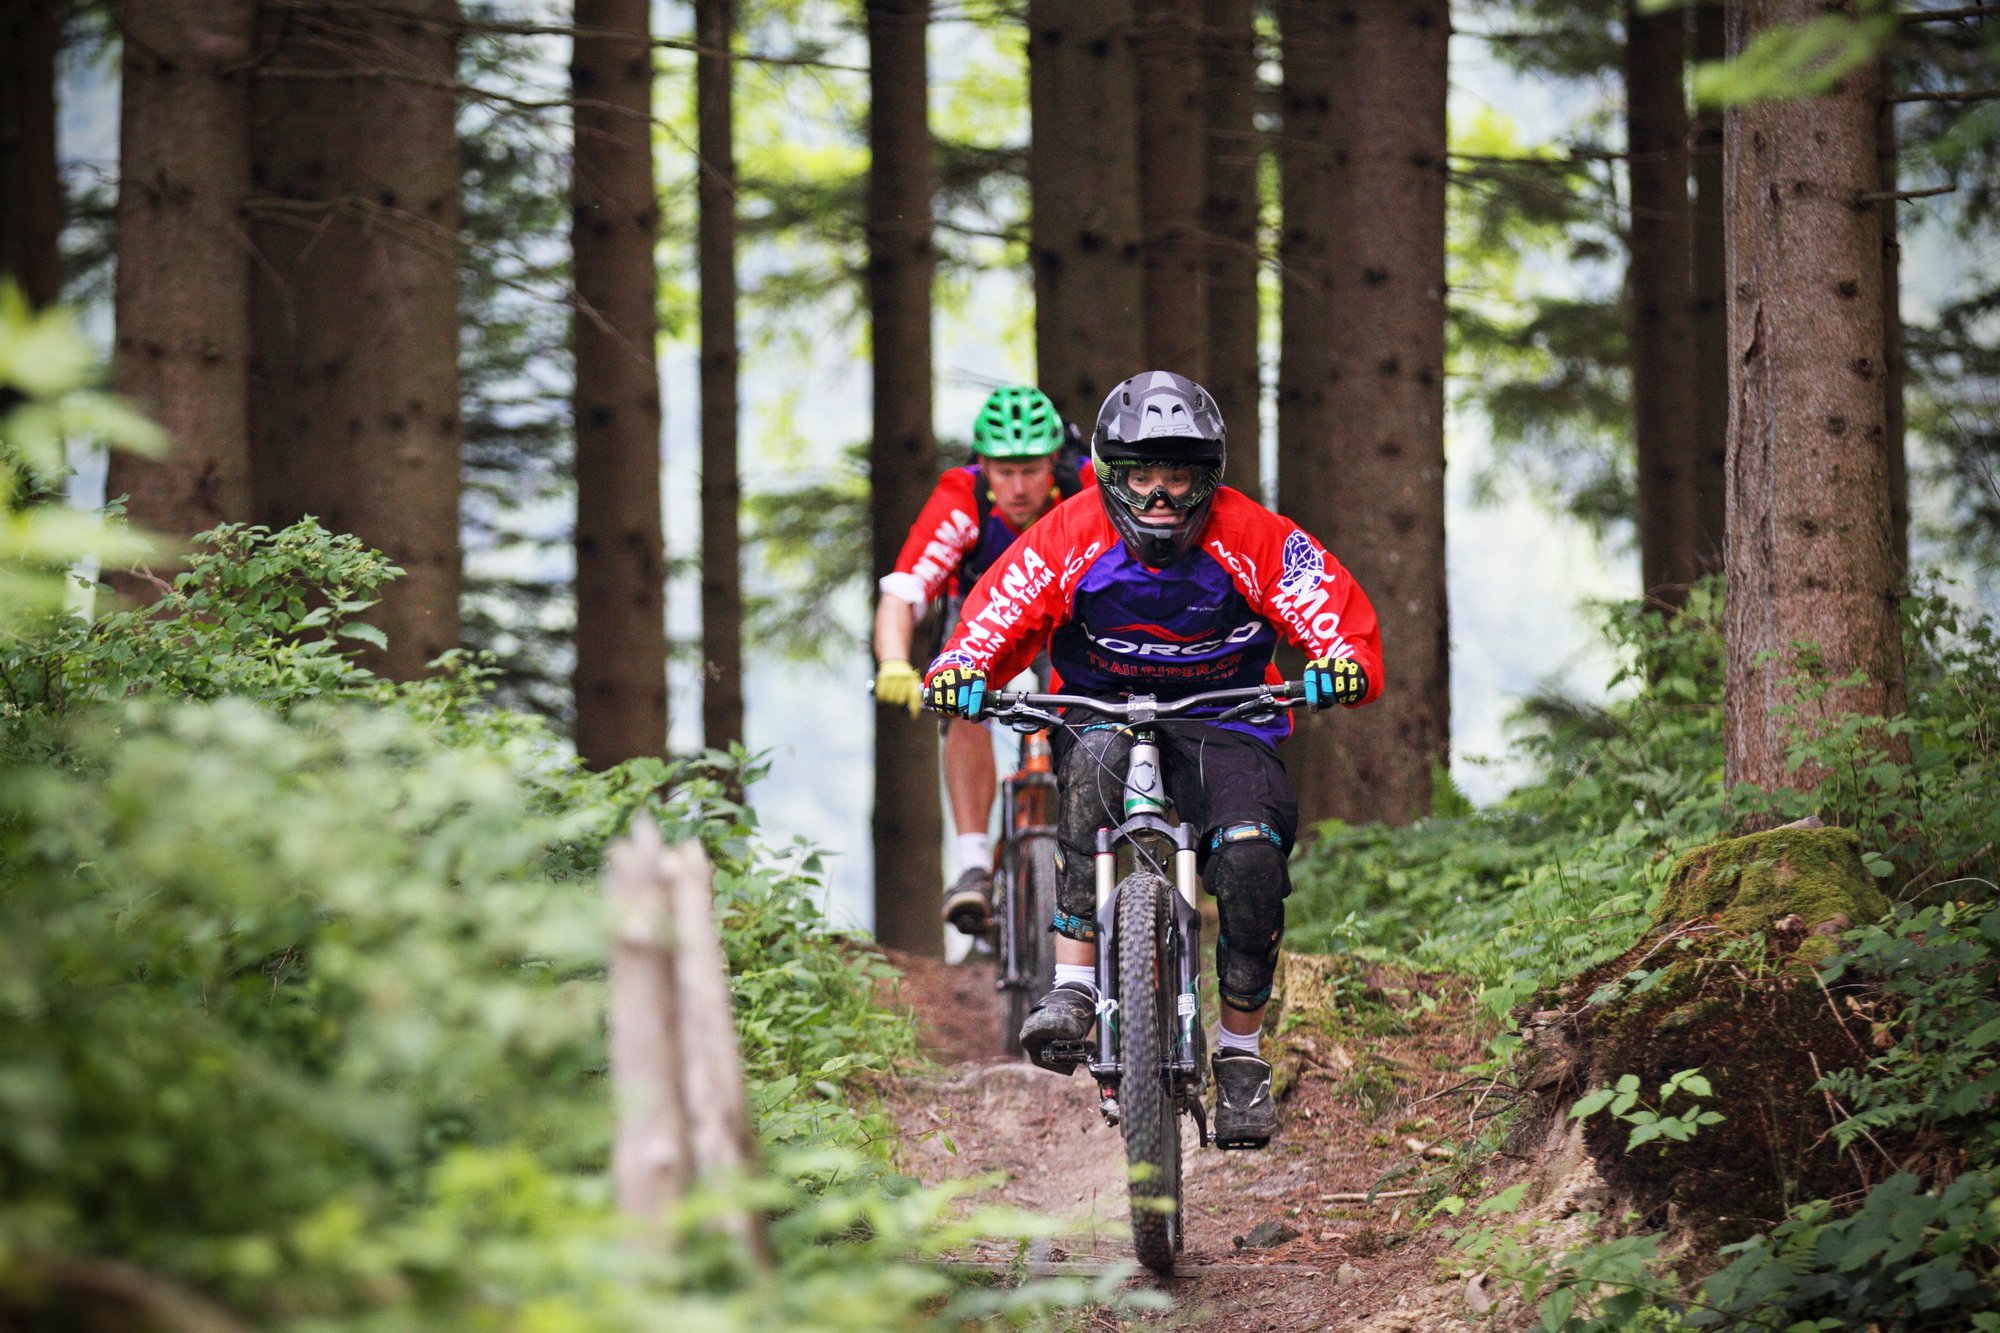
point(1363, 1105)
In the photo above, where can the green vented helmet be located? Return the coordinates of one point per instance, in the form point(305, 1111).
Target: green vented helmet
point(1017, 422)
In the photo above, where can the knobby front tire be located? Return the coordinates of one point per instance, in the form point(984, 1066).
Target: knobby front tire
point(1146, 998)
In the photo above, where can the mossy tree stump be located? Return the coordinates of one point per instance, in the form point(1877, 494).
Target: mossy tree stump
point(1725, 982)
point(1753, 883)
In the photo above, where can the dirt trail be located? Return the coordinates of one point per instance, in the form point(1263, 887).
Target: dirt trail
point(1348, 1120)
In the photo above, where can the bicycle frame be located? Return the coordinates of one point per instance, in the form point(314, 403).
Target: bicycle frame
point(1145, 817)
point(1144, 820)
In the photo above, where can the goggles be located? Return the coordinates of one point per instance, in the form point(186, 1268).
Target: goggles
point(1200, 477)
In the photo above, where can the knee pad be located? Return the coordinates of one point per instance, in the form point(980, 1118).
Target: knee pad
point(1246, 873)
point(1076, 894)
point(1092, 788)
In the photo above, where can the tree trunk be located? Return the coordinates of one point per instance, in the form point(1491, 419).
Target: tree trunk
point(1083, 183)
point(721, 493)
point(1661, 305)
point(1235, 372)
point(1711, 314)
point(354, 408)
point(182, 302)
point(30, 186)
point(1809, 553)
point(1305, 309)
point(1372, 485)
point(1894, 446)
point(908, 821)
point(621, 573)
point(1173, 189)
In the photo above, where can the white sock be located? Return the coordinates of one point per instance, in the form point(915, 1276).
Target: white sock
point(974, 849)
point(1084, 974)
point(1225, 1040)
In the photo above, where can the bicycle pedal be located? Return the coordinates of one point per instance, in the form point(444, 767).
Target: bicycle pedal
point(1242, 1145)
point(1061, 1057)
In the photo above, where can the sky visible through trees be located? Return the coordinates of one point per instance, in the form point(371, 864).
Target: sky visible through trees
point(1517, 580)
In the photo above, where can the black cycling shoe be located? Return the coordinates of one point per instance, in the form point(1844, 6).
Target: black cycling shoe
point(1245, 1115)
point(968, 904)
point(1061, 1028)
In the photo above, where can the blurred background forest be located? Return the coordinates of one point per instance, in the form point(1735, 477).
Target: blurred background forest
point(548, 384)
point(320, 135)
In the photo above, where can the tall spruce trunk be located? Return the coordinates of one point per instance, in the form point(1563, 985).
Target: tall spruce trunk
point(30, 187)
point(1660, 292)
point(1894, 444)
point(354, 406)
point(1235, 373)
point(621, 573)
point(1305, 309)
point(1173, 189)
point(1711, 313)
point(1809, 529)
point(907, 823)
point(1083, 184)
point(1372, 485)
point(182, 300)
point(721, 491)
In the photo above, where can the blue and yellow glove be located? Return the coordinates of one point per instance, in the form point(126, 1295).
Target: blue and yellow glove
point(956, 690)
point(1331, 681)
point(896, 684)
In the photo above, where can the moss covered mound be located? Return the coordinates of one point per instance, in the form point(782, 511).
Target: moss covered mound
point(1749, 884)
point(1755, 1021)
point(1726, 983)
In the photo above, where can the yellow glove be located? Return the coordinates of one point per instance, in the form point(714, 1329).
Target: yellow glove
point(897, 685)
point(1335, 681)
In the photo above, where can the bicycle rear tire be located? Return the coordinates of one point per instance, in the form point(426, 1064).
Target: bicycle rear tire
point(1033, 879)
point(1147, 1114)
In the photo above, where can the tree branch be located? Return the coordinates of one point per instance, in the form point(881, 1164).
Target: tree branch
point(1884, 196)
point(497, 28)
point(1955, 95)
point(1947, 15)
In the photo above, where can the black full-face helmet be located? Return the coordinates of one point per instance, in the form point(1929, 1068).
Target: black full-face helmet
point(1158, 419)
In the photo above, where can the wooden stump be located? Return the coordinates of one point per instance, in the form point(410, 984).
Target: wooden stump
point(683, 1111)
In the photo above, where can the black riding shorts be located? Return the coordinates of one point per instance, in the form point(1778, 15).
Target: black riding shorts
point(1215, 777)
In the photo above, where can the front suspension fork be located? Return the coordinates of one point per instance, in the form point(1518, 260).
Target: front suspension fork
point(1109, 1067)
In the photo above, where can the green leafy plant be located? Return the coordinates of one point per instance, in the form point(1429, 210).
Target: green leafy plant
point(1652, 1122)
point(48, 399)
point(1608, 1285)
point(301, 996)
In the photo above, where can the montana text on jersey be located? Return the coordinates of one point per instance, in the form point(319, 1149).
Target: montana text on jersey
point(1208, 621)
point(958, 536)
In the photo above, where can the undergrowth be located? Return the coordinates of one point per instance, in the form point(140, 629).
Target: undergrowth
point(301, 998)
point(1562, 875)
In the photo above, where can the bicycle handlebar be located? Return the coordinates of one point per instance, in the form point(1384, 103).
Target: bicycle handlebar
point(1250, 701)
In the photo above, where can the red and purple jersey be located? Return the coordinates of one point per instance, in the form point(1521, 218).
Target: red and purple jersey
point(1208, 621)
point(956, 538)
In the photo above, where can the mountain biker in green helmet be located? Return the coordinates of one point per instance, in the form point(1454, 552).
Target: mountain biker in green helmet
point(1020, 471)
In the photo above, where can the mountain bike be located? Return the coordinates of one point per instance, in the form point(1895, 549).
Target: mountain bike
point(1148, 952)
point(1024, 887)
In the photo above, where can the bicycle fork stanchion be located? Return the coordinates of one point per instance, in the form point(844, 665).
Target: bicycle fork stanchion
point(1106, 1067)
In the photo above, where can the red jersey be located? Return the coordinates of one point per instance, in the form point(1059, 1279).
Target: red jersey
point(1208, 620)
point(956, 538)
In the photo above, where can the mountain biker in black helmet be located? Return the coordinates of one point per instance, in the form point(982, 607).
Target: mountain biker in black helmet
point(1168, 583)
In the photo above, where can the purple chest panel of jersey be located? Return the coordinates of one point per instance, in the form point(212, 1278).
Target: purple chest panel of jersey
point(1169, 632)
point(994, 539)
